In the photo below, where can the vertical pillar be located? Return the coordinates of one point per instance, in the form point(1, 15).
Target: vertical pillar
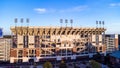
point(66, 42)
point(116, 42)
point(61, 41)
point(45, 41)
point(104, 44)
point(88, 41)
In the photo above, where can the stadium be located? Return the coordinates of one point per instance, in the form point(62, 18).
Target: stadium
point(38, 43)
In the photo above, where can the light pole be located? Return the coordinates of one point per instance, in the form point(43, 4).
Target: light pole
point(71, 21)
point(66, 21)
point(61, 21)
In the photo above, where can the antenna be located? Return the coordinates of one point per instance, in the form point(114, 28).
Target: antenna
point(61, 21)
point(66, 21)
point(71, 21)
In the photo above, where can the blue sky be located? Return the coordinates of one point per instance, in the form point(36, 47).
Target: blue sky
point(48, 13)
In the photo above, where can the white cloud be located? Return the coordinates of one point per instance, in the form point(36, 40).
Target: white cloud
point(44, 10)
point(41, 10)
point(79, 8)
point(114, 5)
point(75, 9)
point(72, 9)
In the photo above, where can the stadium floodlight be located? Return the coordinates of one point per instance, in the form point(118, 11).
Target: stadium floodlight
point(61, 21)
point(27, 20)
point(103, 23)
point(100, 23)
point(21, 20)
point(71, 21)
point(96, 23)
point(15, 20)
point(66, 21)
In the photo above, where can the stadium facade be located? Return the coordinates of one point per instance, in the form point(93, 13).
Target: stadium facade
point(32, 44)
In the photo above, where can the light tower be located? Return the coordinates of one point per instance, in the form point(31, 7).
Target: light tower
point(27, 21)
point(103, 23)
point(96, 24)
point(61, 21)
point(66, 21)
point(71, 21)
point(100, 23)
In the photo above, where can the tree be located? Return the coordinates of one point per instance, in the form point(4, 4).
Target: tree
point(95, 64)
point(97, 57)
point(62, 65)
point(107, 60)
point(47, 65)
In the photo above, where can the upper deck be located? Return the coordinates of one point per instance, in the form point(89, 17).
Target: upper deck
point(50, 30)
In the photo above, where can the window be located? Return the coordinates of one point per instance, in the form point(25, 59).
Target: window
point(100, 48)
point(82, 35)
point(19, 60)
point(64, 45)
point(1, 54)
point(53, 44)
point(86, 35)
point(31, 53)
point(47, 36)
point(58, 40)
point(69, 45)
point(20, 53)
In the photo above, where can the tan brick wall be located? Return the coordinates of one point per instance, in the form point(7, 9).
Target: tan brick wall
point(25, 52)
point(15, 60)
point(37, 52)
point(104, 48)
point(116, 43)
point(13, 53)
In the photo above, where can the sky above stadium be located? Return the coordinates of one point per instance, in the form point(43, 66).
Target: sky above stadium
point(48, 13)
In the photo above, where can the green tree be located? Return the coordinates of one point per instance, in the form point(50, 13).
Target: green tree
point(62, 65)
point(47, 65)
point(95, 64)
point(97, 57)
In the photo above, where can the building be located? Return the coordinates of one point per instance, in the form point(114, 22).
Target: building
point(115, 59)
point(32, 44)
point(5, 44)
point(1, 32)
point(119, 41)
point(111, 41)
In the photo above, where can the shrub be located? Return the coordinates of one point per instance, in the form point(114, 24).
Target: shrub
point(95, 64)
point(47, 65)
point(62, 65)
